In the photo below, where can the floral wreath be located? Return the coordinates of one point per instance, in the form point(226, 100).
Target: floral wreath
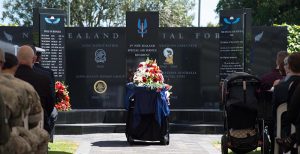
point(148, 74)
point(62, 97)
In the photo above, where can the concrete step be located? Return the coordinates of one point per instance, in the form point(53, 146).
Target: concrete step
point(190, 116)
point(88, 128)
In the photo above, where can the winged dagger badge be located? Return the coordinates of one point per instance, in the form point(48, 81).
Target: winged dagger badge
point(142, 27)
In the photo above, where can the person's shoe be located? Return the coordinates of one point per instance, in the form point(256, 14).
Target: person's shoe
point(285, 143)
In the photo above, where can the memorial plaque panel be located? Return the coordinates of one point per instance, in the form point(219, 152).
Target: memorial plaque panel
point(96, 67)
point(50, 33)
point(141, 38)
point(235, 34)
point(186, 68)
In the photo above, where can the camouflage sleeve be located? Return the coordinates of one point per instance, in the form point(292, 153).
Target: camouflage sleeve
point(4, 126)
point(35, 113)
point(11, 100)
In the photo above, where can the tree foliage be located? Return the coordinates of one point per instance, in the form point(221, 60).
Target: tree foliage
point(293, 38)
point(96, 13)
point(266, 12)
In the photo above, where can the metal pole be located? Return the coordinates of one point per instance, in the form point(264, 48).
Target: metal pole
point(199, 13)
point(244, 41)
point(69, 12)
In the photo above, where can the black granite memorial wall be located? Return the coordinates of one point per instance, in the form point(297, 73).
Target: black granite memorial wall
point(99, 54)
point(192, 70)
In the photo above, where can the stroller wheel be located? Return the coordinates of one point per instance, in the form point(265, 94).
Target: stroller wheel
point(224, 146)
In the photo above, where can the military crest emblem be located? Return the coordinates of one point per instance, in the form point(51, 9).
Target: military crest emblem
point(100, 86)
point(100, 56)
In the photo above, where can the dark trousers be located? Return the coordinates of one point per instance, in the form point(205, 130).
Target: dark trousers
point(52, 120)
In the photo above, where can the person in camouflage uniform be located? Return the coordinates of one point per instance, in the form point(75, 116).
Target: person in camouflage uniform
point(4, 113)
point(27, 135)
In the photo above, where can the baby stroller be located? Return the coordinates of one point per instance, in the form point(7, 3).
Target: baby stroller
point(243, 131)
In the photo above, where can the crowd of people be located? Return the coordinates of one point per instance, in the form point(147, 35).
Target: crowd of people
point(283, 86)
point(27, 98)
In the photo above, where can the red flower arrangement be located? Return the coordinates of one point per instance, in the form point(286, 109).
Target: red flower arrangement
point(148, 74)
point(62, 97)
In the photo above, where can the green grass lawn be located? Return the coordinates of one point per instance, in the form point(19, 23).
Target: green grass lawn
point(62, 147)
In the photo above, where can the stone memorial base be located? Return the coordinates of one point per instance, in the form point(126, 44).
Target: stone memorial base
point(86, 121)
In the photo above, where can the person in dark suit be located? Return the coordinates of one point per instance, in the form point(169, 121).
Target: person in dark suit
point(37, 67)
point(294, 114)
point(41, 83)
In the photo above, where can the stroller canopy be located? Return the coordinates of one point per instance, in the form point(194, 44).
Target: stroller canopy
point(239, 87)
point(239, 75)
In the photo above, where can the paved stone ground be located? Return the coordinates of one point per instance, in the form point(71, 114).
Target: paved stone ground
point(115, 143)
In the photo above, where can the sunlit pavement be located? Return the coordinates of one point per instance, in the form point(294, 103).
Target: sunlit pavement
point(115, 143)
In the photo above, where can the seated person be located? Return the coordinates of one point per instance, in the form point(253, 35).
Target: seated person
point(293, 117)
point(268, 79)
point(292, 65)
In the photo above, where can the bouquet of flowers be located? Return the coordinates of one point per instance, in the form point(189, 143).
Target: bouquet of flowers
point(62, 97)
point(148, 74)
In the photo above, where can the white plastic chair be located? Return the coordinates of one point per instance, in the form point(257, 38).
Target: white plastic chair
point(280, 110)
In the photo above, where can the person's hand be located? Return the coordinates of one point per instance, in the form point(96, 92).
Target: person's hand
point(271, 90)
point(276, 82)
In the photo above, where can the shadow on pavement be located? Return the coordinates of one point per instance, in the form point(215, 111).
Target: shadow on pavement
point(122, 143)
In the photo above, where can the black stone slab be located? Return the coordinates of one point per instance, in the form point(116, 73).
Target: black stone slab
point(68, 129)
point(188, 116)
